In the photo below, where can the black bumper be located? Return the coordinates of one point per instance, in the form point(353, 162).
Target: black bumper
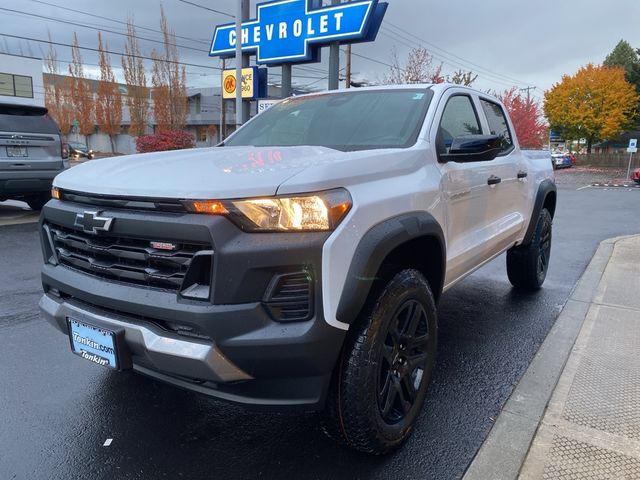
point(20, 183)
point(278, 363)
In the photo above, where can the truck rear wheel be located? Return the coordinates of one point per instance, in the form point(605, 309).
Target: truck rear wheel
point(381, 379)
point(527, 265)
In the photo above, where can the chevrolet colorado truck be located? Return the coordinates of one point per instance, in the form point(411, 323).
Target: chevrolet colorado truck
point(298, 264)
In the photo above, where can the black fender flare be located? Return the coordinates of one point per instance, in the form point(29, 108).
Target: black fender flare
point(546, 188)
point(373, 248)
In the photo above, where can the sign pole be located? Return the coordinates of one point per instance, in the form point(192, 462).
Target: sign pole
point(334, 61)
point(286, 81)
point(631, 149)
point(223, 112)
point(239, 62)
point(242, 60)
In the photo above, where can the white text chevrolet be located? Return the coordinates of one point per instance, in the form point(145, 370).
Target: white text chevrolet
point(299, 264)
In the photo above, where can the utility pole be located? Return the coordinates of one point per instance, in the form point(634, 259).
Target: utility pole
point(242, 61)
point(334, 61)
point(528, 89)
point(223, 110)
point(285, 89)
point(348, 66)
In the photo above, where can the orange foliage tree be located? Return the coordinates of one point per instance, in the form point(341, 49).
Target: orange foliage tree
point(169, 83)
point(136, 81)
point(81, 94)
point(595, 103)
point(108, 99)
point(527, 119)
point(56, 93)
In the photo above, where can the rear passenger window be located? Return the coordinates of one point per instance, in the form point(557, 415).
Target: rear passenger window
point(458, 119)
point(497, 123)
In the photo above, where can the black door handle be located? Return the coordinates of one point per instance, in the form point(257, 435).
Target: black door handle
point(493, 180)
point(522, 174)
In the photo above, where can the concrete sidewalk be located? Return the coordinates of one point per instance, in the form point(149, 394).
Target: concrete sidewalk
point(590, 428)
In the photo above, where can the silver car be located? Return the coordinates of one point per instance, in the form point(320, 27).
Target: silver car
point(32, 153)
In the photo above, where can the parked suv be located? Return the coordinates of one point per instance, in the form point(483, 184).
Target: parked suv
point(299, 264)
point(32, 153)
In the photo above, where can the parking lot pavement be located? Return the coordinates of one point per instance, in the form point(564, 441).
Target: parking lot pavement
point(585, 176)
point(13, 212)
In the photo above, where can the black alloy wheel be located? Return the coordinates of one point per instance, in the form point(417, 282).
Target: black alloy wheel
point(404, 356)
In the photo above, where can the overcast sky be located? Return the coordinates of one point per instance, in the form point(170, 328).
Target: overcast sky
point(505, 42)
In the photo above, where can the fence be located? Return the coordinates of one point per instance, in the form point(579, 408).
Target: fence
point(619, 160)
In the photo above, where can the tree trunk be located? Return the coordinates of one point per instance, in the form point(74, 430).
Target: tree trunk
point(589, 143)
point(113, 146)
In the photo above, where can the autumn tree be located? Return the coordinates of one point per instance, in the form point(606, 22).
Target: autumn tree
point(595, 103)
point(418, 68)
point(81, 94)
point(169, 83)
point(136, 81)
point(57, 93)
point(527, 119)
point(462, 77)
point(109, 98)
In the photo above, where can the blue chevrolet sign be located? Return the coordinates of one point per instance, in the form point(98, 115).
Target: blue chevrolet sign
point(288, 31)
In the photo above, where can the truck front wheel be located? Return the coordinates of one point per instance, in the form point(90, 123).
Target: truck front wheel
point(381, 379)
point(527, 265)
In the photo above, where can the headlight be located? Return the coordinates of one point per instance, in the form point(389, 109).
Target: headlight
point(312, 212)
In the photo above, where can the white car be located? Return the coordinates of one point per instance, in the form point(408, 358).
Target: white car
point(299, 264)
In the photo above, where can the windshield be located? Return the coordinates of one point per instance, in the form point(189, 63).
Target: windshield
point(343, 121)
point(77, 145)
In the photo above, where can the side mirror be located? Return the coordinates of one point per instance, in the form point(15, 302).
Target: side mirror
point(473, 148)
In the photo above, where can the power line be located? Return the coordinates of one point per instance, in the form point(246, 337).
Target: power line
point(101, 29)
point(143, 57)
point(445, 52)
point(93, 15)
point(207, 8)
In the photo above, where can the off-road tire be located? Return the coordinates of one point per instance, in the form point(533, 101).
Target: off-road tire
point(527, 265)
point(354, 414)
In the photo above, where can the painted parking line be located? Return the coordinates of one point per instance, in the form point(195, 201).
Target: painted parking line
point(582, 188)
point(631, 185)
point(14, 213)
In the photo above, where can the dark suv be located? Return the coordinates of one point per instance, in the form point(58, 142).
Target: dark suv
point(32, 153)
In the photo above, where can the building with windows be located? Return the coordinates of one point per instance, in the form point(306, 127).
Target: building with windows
point(21, 81)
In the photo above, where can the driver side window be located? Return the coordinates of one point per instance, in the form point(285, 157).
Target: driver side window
point(459, 118)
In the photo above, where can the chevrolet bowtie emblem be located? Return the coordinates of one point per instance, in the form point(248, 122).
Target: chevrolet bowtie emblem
point(92, 223)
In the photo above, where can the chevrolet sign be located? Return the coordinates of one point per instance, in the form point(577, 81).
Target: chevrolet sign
point(289, 31)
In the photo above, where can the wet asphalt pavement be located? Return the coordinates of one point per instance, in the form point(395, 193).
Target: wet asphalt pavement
point(57, 410)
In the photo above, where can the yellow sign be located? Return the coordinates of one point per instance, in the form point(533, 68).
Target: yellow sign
point(248, 83)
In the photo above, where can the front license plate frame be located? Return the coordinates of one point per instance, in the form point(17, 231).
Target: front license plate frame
point(96, 344)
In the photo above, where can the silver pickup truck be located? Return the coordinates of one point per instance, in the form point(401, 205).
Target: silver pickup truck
point(299, 264)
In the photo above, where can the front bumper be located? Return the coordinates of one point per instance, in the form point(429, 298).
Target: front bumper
point(237, 350)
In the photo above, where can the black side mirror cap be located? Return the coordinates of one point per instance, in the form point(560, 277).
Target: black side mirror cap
point(473, 148)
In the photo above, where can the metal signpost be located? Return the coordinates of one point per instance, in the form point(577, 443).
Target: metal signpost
point(631, 149)
point(293, 31)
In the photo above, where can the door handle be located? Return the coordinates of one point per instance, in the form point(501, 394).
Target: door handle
point(493, 180)
point(522, 174)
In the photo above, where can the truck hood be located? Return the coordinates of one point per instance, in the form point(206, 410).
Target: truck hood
point(221, 173)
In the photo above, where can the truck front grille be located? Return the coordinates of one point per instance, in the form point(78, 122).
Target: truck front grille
point(130, 260)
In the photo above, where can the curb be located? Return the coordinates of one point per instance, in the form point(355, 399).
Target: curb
point(504, 450)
